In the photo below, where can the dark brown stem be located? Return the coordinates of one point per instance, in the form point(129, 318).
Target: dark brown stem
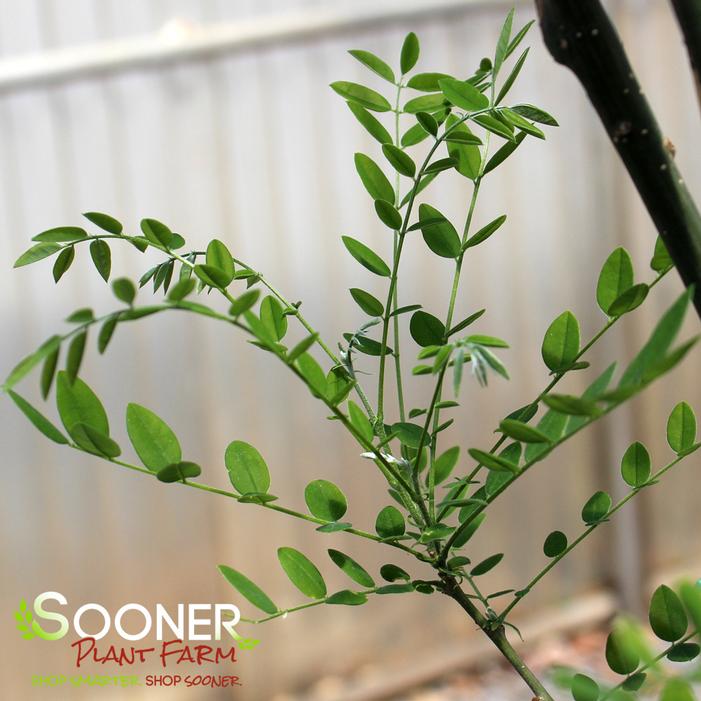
point(498, 636)
point(689, 17)
point(580, 35)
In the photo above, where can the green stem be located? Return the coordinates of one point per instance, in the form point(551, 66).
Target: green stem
point(649, 664)
point(587, 532)
point(550, 386)
point(267, 505)
point(283, 612)
point(395, 299)
point(498, 637)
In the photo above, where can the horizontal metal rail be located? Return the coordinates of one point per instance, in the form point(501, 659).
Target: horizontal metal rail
point(180, 41)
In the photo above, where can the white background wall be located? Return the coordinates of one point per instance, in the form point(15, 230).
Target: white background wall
point(252, 147)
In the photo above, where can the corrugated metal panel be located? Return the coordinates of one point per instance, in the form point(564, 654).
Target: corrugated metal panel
point(255, 149)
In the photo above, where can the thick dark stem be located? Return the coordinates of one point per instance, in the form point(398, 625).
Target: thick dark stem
point(689, 17)
point(498, 637)
point(580, 35)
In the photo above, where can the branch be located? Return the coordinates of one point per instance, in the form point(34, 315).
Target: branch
point(689, 17)
point(580, 35)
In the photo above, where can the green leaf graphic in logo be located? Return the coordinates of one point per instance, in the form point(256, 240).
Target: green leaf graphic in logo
point(29, 628)
point(24, 619)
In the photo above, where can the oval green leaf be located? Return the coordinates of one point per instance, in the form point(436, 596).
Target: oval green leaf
point(302, 572)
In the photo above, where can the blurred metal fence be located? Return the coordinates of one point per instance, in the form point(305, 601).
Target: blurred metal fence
point(251, 146)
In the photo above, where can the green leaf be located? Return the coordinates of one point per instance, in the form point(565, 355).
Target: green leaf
point(555, 544)
point(360, 421)
point(483, 340)
point(635, 466)
point(584, 688)
point(615, 278)
point(399, 160)
point(61, 234)
point(410, 53)
point(101, 257)
point(677, 689)
point(485, 232)
point(438, 233)
point(388, 214)
point(63, 262)
point(211, 276)
point(27, 364)
point(374, 63)
point(48, 371)
point(684, 652)
point(325, 500)
point(425, 103)
point(366, 257)
point(393, 573)
point(124, 290)
point(302, 573)
point(691, 596)
point(74, 358)
point(178, 472)
point(105, 222)
point(466, 322)
point(681, 428)
point(514, 119)
point(493, 462)
point(302, 347)
point(106, 331)
point(218, 256)
point(667, 616)
point(570, 405)
point(156, 232)
point(417, 133)
point(661, 259)
point(634, 682)
point(503, 129)
point(244, 302)
point(359, 94)
point(512, 77)
point(596, 509)
point(445, 463)
point(427, 123)
point(40, 422)
point(372, 177)
point(486, 565)
point(561, 342)
point(390, 524)
point(631, 299)
point(658, 344)
point(247, 469)
point(273, 317)
point(369, 304)
point(621, 652)
point(408, 434)
point(395, 589)
point(503, 45)
point(37, 253)
point(94, 441)
point(371, 123)
point(313, 374)
point(78, 404)
point(426, 329)
point(426, 82)
point(355, 571)
point(182, 289)
point(535, 114)
point(248, 589)
point(463, 94)
point(152, 438)
point(81, 316)
point(347, 598)
point(503, 153)
point(522, 432)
